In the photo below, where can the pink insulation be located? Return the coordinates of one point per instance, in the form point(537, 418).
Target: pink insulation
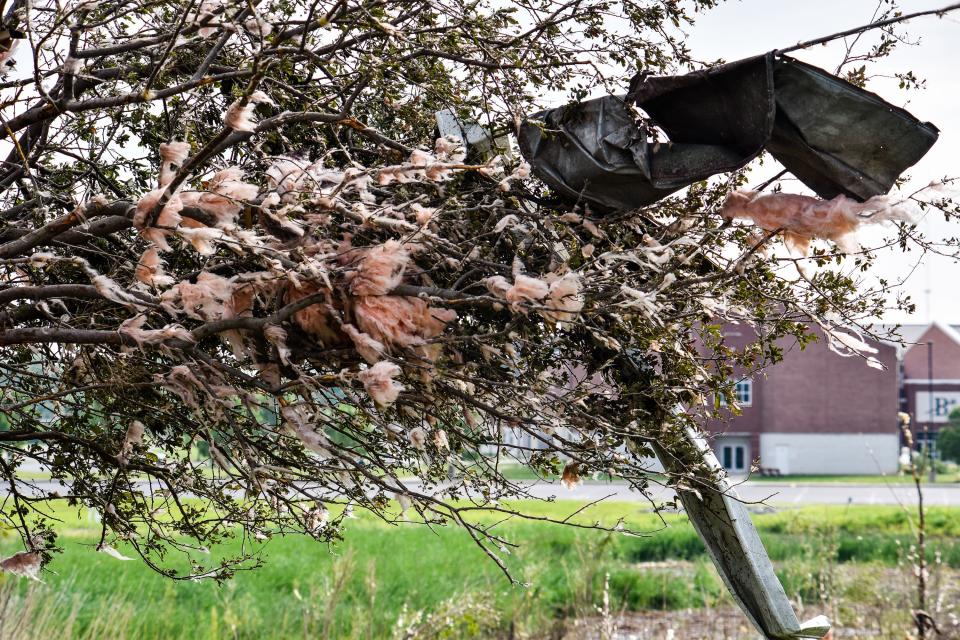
point(150, 269)
point(564, 300)
point(172, 156)
point(397, 321)
point(802, 218)
point(380, 269)
point(369, 349)
point(379, 382)
point(224, 197)
point(316, 320)
point(206, 299)
point(25, 564)
point(239, 113)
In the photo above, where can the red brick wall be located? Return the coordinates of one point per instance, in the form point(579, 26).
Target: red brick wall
point(818, 391)
point(946, 371)
point(750, 421)
point(946, 356)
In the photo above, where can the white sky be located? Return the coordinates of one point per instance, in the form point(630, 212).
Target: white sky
point(741, 28)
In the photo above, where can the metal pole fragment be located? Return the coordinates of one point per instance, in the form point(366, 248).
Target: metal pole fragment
point(723, 523)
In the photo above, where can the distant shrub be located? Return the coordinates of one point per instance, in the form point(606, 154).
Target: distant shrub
point(948, 440)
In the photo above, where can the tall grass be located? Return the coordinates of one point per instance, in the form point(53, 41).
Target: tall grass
point(407, 582)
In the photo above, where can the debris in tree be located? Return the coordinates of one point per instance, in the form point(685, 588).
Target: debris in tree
point(25, 564)
point(802, 218)
point(838, 139)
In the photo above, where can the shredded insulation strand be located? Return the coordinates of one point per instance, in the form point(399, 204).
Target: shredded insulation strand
point(802, 218)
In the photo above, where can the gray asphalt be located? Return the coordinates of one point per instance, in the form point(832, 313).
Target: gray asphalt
point(775, 494)
point(769, 493)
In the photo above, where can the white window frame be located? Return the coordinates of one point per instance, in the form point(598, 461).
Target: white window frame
point(742, 391)
point(732, 450)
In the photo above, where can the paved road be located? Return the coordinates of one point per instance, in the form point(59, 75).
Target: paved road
point(774, 494)
point(777, 494)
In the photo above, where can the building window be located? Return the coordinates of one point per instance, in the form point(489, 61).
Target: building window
point(742, 392)
point(734, 457)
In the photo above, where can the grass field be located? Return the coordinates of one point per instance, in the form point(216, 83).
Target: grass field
point(386, 581)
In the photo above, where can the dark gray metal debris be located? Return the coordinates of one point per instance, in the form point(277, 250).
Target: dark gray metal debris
point(471, 133)
point(835, 137)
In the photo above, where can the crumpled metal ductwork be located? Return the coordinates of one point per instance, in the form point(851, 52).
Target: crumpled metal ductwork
point(833, 136)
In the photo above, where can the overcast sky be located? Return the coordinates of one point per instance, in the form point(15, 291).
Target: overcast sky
point(738, 29)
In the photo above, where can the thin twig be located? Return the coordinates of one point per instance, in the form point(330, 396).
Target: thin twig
point(872, 25)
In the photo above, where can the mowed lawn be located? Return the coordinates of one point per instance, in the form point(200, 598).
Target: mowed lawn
point(383, 581)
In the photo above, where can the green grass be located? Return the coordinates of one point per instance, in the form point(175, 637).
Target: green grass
point(387, 572)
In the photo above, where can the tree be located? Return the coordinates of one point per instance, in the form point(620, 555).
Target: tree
point(231, 225)
point(948, 438)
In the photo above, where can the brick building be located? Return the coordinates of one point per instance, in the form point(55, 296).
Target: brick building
point(930, 376)
point(815, 413)
point(818, 413)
